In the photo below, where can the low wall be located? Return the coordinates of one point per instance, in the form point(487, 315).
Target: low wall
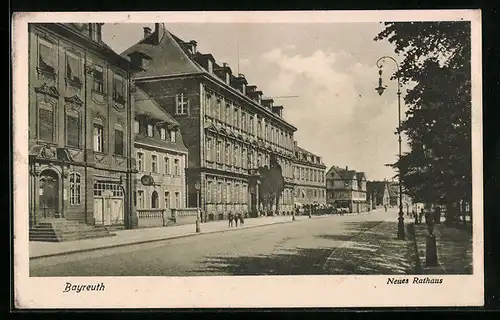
point(149, 218)
point(183, 216)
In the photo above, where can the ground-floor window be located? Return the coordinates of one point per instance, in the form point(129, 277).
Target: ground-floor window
point(115, 188)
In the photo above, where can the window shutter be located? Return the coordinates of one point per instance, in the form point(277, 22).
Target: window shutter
point(46, 123)
point(73, 130)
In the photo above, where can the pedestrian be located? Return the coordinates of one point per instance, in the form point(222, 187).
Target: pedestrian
point(385, 208)
point(421, 215)
point(242, 220)
point(236, 218)
point(230, 218)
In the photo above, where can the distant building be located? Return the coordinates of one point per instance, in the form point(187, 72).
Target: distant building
point(228, 127)
point(309, 177)
point(378, 193)
point(160, 153)
point(80, 115)
point(346, 189)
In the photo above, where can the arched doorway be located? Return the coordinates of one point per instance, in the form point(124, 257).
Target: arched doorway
point(154, 200)
point(49, 194)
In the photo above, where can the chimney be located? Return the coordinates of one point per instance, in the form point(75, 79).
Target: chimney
point(346, 168)
point(159, 31)
point(268, 103)
point(147, 32)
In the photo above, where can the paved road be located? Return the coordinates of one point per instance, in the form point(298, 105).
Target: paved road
point(301, 247)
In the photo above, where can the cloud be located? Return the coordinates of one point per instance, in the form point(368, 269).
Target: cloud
point(338, 114)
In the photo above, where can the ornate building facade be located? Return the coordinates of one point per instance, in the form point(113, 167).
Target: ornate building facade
point(228, 128)
point(79, 118)
point(309, 177)
point(160, 153)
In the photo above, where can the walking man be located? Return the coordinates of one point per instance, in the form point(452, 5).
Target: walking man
point(230, 218)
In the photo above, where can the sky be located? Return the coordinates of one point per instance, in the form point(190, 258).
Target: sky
point(331, 67)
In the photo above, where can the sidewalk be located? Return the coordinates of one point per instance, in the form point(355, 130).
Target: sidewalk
point(137, 236)
point(454, 249)
point(373, 250)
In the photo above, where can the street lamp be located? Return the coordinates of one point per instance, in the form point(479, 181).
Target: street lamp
point(380, 90)
point(197, 187)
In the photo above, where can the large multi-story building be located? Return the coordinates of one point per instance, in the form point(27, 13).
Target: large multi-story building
point(309, 177)
point(228, 127)
point(79, 118)
point(161, 158)
point(346, 189)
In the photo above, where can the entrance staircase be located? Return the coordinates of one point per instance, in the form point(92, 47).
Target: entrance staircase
point(58, 230)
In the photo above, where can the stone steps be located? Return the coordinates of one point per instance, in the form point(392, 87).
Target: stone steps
point(66, 230)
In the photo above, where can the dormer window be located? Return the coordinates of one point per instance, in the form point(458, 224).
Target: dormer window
point(163, 134)
point(136, 126)
point(150, 130)
point(173, 137)
point(228, 78)
point(243, 89)
point(210, 66)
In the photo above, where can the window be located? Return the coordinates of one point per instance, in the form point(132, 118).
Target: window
point(73, 68)
point(227, 118)
point(243, 158)
point(98, 138)
point(265, 132)
point(218, 108)
point(167, 165)
point(218, 152)
point(46, 122)
point(150, 130)
point(136, 126)
point(235, 156)
point(167, 200)
point(177, 200)
point(208, 149)
point(119, 147)
point(163, 134)
point(208, 104)
point(250, 124)
point(118, 90)
point(228, 192)
point(173, 137)
point(140, 199)
point(210, 66)
point(154, 200)
point(73, 129)
point(74, 188)
point(235, 118)
point(47, 56)
point(259, 128)
point(154, 160)
point(228, 153)
point(177, 169)
point(140, 161)
point(243, 121)
point(182, 104)
point(98, 79)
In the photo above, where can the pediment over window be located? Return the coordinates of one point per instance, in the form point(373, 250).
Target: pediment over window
point(47, 90)
point(74, 100)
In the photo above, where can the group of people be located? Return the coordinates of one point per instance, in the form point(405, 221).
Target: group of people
point(234, 219)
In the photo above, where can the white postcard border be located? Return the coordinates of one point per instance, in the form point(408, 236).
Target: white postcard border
point(236, 291)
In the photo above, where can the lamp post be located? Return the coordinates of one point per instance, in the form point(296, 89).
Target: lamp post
point(380, 90)
point(197, 187)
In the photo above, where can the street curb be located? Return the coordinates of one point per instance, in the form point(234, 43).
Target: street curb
point(418, 263)
point(164, 239)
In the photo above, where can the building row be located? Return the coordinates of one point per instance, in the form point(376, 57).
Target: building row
point(114, 137)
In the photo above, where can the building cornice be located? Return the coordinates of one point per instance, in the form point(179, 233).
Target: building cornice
point(160, 148)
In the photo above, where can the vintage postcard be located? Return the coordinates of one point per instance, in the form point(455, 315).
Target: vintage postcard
point(248, 159)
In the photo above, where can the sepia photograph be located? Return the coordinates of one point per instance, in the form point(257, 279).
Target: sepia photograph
point(206, 153)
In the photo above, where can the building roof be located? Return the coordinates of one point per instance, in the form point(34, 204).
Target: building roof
point(168, 55)
point(303, 151)
point(343, 173)
point(145, 105)
point(393, 189)
point(360, 175)
point(174, 59)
